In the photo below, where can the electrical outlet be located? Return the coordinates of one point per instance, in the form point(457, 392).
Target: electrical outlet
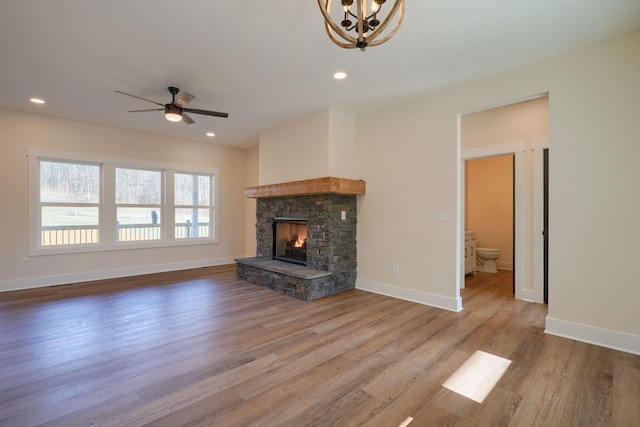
point(222, 246)
point(24, 262)
point(395, 269)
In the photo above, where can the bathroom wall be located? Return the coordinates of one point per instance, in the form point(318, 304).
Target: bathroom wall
point(489, 205)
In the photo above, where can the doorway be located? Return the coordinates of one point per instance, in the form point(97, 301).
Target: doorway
point(478, 139)
point(520, 222)
point(489, 206)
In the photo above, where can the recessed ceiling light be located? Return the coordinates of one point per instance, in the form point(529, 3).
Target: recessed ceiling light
point(340, 75)
point(211, 134)
point(37, 100)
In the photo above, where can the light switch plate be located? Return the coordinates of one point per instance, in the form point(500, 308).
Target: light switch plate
point(442, 216)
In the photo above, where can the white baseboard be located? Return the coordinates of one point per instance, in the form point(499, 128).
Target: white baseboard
point(592, 335)
point(62, 279)
point(434, 300)
point(504, 266)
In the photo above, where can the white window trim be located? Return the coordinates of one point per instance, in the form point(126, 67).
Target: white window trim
point(213, 191)
point(161, 206)
point(107, 216)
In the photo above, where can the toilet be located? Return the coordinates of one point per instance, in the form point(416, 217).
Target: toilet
point(486, 259)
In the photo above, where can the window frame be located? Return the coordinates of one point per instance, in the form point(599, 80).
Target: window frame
point(211, 206)
point(42, 204)
point(107, 207)
point(160, 206)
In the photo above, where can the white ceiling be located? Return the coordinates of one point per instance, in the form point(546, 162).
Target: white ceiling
point(267, 62)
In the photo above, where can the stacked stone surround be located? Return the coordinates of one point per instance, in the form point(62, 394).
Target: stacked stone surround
point(291, 279)
point(331, 244)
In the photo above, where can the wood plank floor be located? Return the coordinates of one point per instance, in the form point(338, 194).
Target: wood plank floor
point(201, 347)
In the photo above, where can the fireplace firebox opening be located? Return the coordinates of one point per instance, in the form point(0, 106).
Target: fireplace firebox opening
point(290, 240)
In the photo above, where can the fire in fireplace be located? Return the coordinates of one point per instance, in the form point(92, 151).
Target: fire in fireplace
point(290, 240)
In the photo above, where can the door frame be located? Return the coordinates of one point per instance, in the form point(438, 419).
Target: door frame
point(528, 221)
point(517, 149)
point(537, 147)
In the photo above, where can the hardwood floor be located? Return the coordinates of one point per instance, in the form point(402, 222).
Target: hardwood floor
point(201, 347)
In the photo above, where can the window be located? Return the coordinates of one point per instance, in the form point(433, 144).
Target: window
point(81, 203)
point(69, 203)
point(193, 207)
point(138, 204)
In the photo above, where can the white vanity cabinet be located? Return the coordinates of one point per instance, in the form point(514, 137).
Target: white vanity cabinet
point(469, 252)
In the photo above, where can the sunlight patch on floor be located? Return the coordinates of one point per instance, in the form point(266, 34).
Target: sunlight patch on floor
point(477, 376)
point(406, 422)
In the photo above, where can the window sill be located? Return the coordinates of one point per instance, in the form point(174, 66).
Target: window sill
point(119, 246)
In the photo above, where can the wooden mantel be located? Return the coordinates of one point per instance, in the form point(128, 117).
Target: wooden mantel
point(306, 187)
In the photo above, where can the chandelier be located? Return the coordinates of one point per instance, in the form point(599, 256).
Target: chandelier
point(366, 28)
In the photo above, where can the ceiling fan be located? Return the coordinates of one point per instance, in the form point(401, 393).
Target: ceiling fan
point(175, 111)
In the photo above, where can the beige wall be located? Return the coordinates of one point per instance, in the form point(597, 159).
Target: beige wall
point(408, 154)
point(489, 205)
point(294, 151)
point(342, 145)
point(318, 145)
point(22, 130)
point(522, 121)
point(251, 180)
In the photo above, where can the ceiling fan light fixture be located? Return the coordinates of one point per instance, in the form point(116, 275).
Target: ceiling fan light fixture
point(175, 111)
point(173, 117)
point(172, 113)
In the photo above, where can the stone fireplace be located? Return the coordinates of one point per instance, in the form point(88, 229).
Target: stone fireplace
point(320, 217)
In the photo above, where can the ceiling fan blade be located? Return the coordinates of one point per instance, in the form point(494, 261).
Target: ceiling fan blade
point(134, 96)
point(143, 111)
point(205, 112)
point(183, 99)
point(188, 120)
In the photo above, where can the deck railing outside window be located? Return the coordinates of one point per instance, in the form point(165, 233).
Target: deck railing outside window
point(86, 234)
